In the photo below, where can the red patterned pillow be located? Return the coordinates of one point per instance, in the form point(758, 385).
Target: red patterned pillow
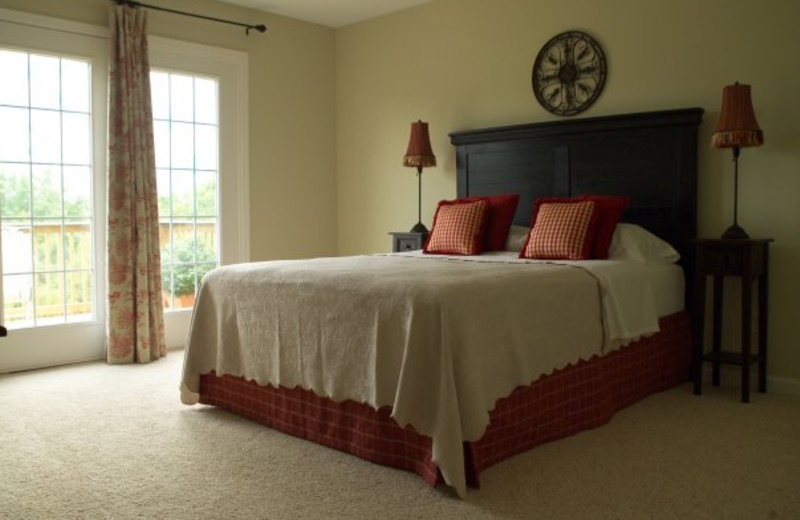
point(500, 215)
point(609, 213)
point(458, 228)
point(561, 230)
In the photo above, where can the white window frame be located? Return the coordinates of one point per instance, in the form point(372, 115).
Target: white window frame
point(230, 67)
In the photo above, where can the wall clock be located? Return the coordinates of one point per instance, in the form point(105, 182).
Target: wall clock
point(569, 73)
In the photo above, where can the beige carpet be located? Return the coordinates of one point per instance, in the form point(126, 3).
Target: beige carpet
point(95, 441)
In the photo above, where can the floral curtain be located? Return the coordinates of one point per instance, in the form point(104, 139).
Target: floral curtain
point(135, 310)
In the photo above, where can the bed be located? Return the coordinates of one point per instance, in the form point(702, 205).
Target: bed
point(449, 386)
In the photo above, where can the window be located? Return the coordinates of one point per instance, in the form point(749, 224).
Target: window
point(48, 273)
point(53, 85)
point(185, 114)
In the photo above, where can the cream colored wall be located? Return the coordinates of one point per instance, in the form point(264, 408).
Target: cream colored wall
point(292, 111)
point(462, 64)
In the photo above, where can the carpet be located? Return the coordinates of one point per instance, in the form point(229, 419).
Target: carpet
point(97, 441)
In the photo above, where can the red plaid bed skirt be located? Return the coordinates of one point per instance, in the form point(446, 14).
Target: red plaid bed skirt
point(570, 400)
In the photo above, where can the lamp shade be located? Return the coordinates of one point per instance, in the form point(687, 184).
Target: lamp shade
point(737, 126)
point(419, 153)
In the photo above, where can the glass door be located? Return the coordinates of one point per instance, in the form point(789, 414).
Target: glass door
point(51, 139)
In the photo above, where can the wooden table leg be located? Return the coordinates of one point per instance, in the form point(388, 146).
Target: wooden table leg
point(717, 328)
point(762, 330)
point(698, 332)
point(747, 290)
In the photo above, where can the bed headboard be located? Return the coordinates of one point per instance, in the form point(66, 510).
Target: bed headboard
point(650, 157)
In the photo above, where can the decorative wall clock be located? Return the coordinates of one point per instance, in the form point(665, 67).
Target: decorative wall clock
point(569, 73)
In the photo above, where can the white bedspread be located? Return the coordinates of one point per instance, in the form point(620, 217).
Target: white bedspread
point(439, 339)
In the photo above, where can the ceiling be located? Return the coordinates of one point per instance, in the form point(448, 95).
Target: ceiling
point(332, 13)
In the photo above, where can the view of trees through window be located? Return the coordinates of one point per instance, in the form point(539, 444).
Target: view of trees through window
point(46, 182)
point(185, 113)
point(46, 189)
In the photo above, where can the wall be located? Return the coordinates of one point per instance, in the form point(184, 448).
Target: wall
point(292, 111)
point(463, 64)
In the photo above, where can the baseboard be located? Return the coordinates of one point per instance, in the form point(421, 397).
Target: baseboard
point(775, 384)
point(783, 385)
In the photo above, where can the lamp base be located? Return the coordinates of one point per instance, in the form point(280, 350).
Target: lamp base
point(419, 227)
point(735, 233)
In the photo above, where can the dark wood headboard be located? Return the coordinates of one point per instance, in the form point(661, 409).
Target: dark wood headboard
point(650, 157)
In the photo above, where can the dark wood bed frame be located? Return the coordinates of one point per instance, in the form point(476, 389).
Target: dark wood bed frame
point(651, 158)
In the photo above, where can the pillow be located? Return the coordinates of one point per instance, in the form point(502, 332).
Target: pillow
point(632, 242)
point(609, 212)
point(516, 237)
point(561, 230)
point(500, 214)
point(458, 228)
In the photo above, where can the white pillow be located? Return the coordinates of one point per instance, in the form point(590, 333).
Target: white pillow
point(516, 238)
point(632, 242)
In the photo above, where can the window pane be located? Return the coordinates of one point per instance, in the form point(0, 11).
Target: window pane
point(164, 193)
point(77, 139)
point(47, 246)
point(18, 300)
point(77, 191)
point(183, 243)
point(46, 207)
point(45, 136)
point(77, 245)
point(14, 141)
point(205, 101)
point(49, 298)
point(181, 98)
point(47, 191)
point(161, 138)
point(182, 145)
point(15, 190)
point(206, 194)
point(165, 234)
point(44, 81)
point(75, 90)
point(182, 193)
point(159, 92)
point(206, 147)
point(14, 86)
point(79, 296)
point(17, 247)
point(207, 242)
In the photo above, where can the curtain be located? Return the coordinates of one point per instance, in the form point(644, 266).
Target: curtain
point(135, 328)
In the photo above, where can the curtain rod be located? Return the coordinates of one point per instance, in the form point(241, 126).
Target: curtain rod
point(260, 28)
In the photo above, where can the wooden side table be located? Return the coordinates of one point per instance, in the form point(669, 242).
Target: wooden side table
point(749, 260)
point(407, 241)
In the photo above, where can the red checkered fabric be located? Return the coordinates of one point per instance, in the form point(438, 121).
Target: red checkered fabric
point(562, 230)
point(458, 228)
point(581, 396)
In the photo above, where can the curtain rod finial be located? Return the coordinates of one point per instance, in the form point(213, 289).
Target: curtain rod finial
point(260, 28)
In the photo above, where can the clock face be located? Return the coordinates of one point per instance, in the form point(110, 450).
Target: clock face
point(569, 73)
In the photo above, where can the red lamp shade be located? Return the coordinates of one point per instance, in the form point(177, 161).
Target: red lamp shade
point(419, 153)
point(737, 126)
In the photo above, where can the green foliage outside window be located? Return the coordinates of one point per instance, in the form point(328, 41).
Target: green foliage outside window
point(183, 266)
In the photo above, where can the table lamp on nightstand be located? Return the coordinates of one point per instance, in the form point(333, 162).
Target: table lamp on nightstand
point(419, 155)
point(737, 128)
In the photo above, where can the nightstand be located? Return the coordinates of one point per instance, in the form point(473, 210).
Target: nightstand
point(749, 260)
point(407, 241)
